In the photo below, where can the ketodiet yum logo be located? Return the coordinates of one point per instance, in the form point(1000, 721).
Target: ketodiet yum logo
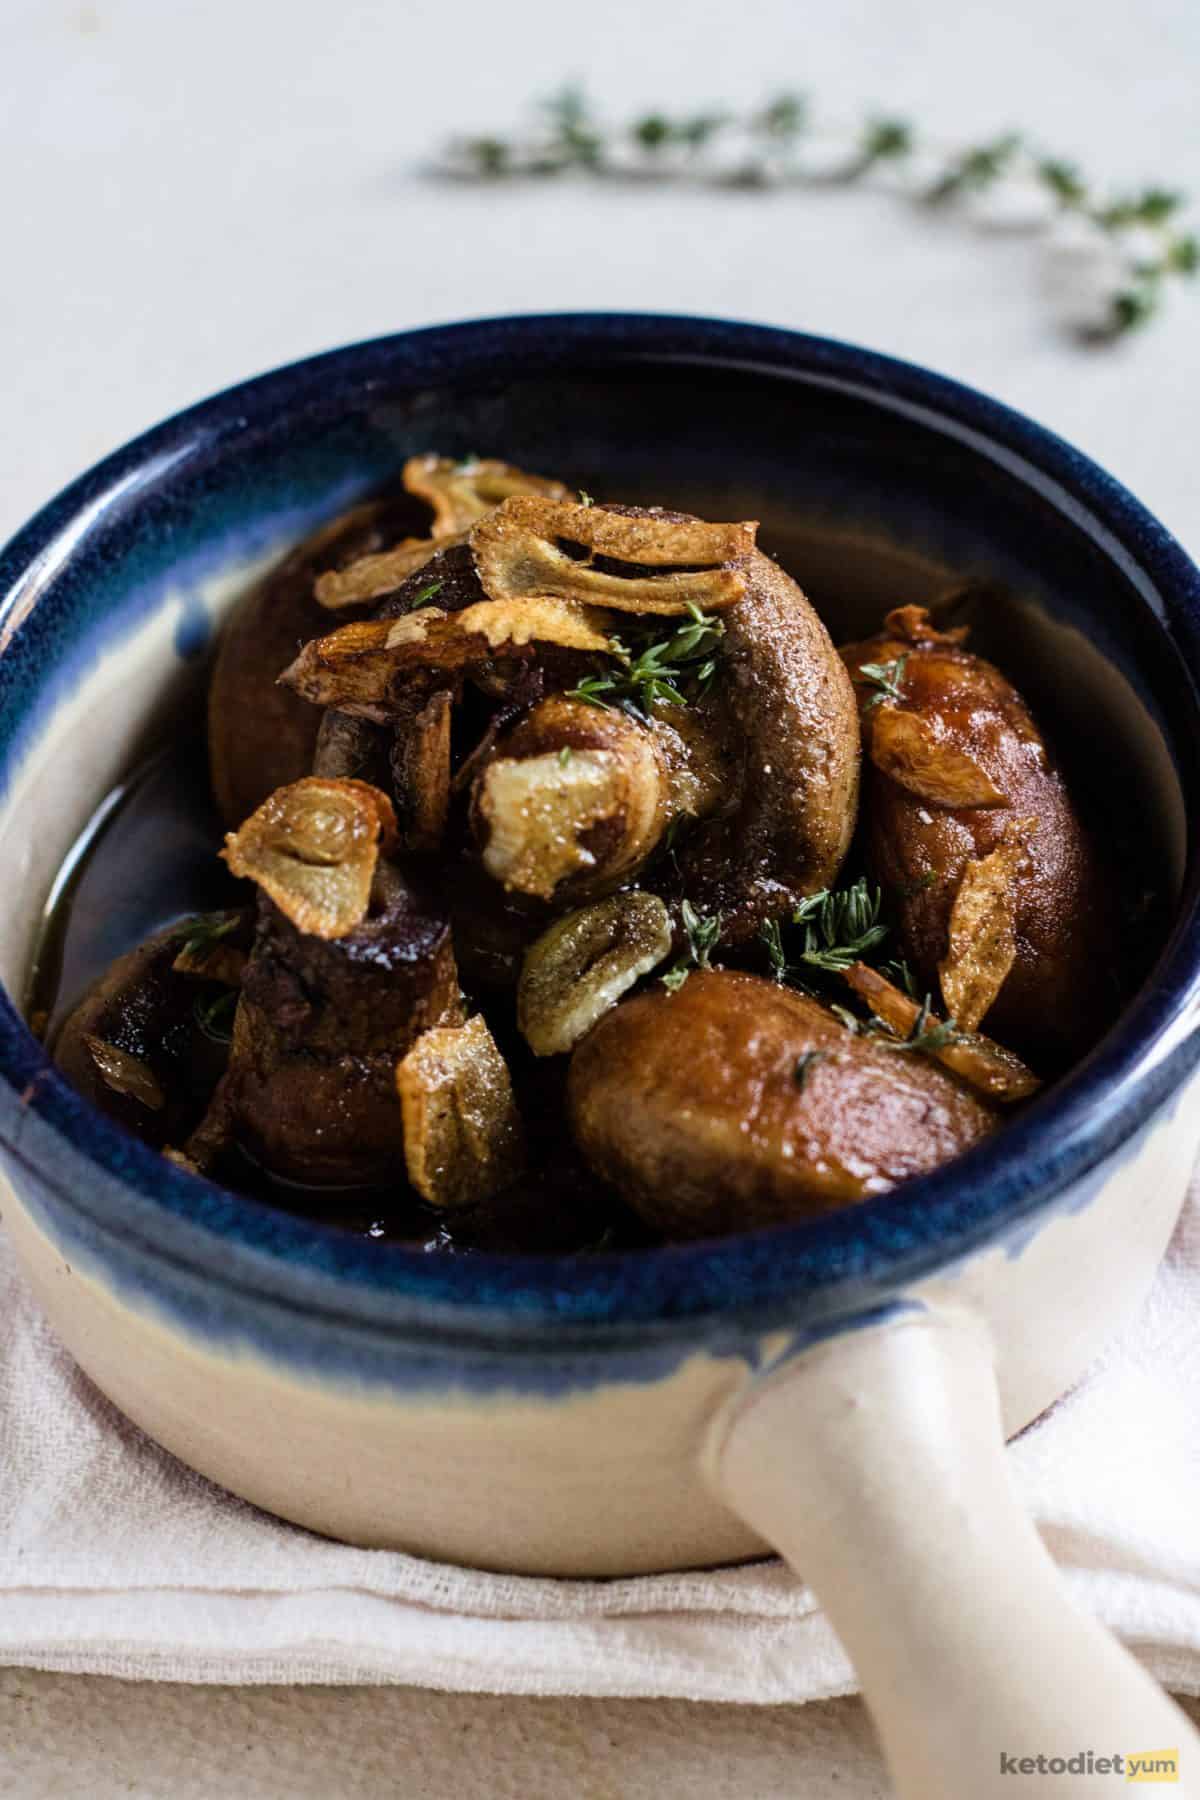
point(1123, 1765)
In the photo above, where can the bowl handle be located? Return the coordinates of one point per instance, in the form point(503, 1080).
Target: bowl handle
point(874, 1462)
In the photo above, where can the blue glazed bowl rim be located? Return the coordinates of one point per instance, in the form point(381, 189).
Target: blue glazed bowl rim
point(857, 1258)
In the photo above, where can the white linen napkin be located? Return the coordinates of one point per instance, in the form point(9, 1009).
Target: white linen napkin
point(116, 1560)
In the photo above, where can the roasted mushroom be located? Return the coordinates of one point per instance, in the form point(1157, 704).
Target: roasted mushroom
point(149, 1042)
point(1003, 902)
point(352, 962)
point(781, 711)
point(735, 1103)
point(574, 799)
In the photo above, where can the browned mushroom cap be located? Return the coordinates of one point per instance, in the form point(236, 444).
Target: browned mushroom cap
point(368, 670)
point(139, 1045)
point(459, 494)
point(629, 559)
point(313, 847)
point(1000, 891)
point(786, 707)
point(261, 736)
point(574, 799)
point(735, 1103)
point(310, 1091)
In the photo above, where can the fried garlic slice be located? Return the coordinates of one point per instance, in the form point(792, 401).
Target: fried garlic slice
point(982, 936)
point(371, 577)
point(362, 668)
point(462, 1133)
point(459, 493)
point(422, 766)
point(462, 492)
point(313, 848)
point(125, 1074)
point(985, 1065)
point(583, 963)
point(913, 751)
point(674, 563)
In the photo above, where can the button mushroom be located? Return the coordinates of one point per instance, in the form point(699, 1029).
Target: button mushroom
point(149, 1042)
point(735, 1103)
point(351, 962)
point(1002, 898)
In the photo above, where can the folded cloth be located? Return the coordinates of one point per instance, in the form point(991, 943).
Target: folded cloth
point(116, 1560)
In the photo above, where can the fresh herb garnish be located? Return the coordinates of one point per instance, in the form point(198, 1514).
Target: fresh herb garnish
point(771, 934)
point(886, 678)
point(924, 1035)
point(426, 594)
point(564, 756)
point(803, 1068)
point(703, 936)
point(653, 672)
point(767, 146)
point(215, 1018)
point(898, 972)
point(585, 499)
point(841, 925)
point(203, 933)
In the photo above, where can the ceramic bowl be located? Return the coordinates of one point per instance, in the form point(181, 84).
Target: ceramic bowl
point(552, 1414)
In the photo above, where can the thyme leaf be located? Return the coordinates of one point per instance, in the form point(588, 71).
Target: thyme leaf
point(804, 1066)
point(202, 933)
point(215, 1017)
point(766, 145)
point(703, 935)
point(885, 678)
point(670, 671)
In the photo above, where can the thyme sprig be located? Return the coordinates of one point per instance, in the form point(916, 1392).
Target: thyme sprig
point(215, 1017)
point(767, 146)
point(841, 926)
point(928, 1032)
point(703, 935)
point(655, 671)
point(202, 933)
point(885, 678)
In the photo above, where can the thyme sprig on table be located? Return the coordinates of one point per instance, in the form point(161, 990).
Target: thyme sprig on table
point(773, 144)
point(654, 671)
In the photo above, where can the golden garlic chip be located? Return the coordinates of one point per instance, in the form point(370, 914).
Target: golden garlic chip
point(583, 964)
point(422, 763)
point(462, 1132)
point(982, 937)
point(912, 751)
point(671, 563)
point(362, 668)
point(125, 1074)
point(462, 492)
point(312, 847)
point(382, 572)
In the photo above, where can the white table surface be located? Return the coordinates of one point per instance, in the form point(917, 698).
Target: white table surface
point(191, 192)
